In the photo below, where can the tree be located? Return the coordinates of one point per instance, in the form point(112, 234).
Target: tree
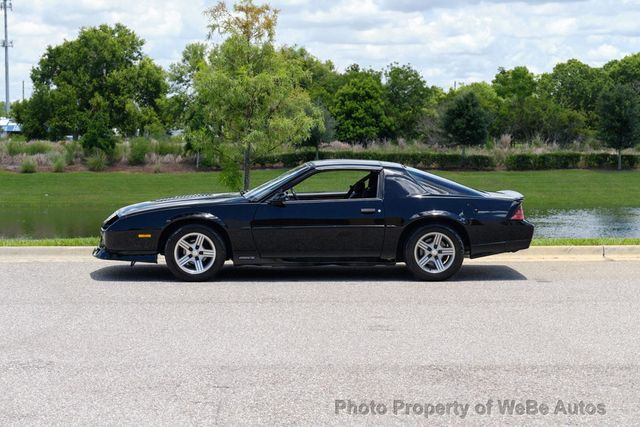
point(182, 109)
point(625, 71)
point(323, 81)
point(517, 83)
point(102, 62)
point(251, 95)
point(465, 121)
point(321, 84)
point(574, 85)
point(619, 111)
point(489, 100)
point(360, 110)
point(407, 97)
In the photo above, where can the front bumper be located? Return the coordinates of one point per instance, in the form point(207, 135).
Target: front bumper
point(103, 253)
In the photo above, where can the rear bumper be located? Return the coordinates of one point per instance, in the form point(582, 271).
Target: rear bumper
point(103, 253)
point(522, 234)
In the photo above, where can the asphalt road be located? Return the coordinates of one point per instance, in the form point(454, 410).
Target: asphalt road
point(98, 343)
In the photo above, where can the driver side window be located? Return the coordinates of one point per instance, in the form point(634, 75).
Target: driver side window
point(337, 184)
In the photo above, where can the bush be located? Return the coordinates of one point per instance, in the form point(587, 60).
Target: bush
point(409, 158)
point(165, 147)
point(97, 161)
point(519, 162)
point(557, 160)
point(16, 147)
point(38, 147)
point(139, 148)
point(72, 152)
point(609, 161)
point(17, 138)
point(59, 164)
point(531, 161)
point(28, 166)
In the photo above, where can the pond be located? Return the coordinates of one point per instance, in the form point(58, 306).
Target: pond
point(48, 221)
point(586, 223)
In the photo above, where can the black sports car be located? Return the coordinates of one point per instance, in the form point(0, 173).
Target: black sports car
point(323, 212)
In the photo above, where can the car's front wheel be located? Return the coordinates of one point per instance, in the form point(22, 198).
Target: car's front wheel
point(195, 253)
point(434, 252)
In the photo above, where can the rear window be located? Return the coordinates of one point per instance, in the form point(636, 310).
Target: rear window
point(438, 185)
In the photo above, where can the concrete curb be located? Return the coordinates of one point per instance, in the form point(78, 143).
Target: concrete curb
point(536, 253)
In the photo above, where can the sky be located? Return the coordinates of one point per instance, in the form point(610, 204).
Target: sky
point(448, 41)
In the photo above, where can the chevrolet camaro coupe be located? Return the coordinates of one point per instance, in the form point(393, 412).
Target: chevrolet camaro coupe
point(345, 212)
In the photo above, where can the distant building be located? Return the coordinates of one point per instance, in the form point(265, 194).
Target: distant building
point(9, 126)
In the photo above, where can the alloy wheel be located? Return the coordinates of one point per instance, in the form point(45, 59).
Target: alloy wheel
point(195, 253)
point(434, 252)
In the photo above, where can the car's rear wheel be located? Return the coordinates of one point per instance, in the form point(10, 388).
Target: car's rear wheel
point(434, 252)
point(195, 253)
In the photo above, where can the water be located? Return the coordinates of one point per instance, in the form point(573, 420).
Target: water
point(58, 221)
point(586, 223)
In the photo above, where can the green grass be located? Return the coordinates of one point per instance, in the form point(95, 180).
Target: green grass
point(569, 189)
point(586, 242)
point(93, 241)
point(78, 241)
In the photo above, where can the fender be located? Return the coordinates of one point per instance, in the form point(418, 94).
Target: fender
point(206, 216)
point(459, 218)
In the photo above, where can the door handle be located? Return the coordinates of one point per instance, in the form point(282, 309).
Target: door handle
point(368, 210)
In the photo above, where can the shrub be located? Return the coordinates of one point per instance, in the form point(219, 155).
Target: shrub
point(557, 160)
point(609, 161)
point(59, 164)
point(28, 166)
point(521, 162)
point(97, 161)
point(38, 147)
point(72, 152)
point(165, 147)
point(139, 148)
point(16, 147)
point(409, 158)
point(18, 138)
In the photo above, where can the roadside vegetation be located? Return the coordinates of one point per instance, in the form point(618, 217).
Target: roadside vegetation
point(172, 154)
point(239, 99)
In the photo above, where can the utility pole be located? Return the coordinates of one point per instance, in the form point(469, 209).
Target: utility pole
point(6, 43)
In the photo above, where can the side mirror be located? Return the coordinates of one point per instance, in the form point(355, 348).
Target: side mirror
point(278, 199)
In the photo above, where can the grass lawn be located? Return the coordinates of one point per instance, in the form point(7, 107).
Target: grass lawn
point(569, 189)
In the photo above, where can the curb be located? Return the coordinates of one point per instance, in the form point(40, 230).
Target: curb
point(535, 253)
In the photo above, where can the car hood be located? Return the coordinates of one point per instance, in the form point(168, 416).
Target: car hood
point(180, 201)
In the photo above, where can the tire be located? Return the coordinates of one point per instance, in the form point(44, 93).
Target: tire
point(434, 262)
point(195, 253)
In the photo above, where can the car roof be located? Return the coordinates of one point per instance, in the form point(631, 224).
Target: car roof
point(346, 163)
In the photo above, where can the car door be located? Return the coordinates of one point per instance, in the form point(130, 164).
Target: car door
point(319, 225)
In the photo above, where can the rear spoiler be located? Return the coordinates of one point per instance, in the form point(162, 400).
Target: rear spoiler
point(508, 194)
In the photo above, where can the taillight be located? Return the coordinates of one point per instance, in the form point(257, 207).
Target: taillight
point(519, 214)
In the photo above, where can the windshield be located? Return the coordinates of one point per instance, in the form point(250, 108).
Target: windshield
point(262, 190)
point(437, 184)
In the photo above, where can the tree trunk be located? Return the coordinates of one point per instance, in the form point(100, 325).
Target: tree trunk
point(247, 167)
point(619, 159)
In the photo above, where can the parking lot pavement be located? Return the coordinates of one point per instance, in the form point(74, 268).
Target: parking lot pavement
point(104, 343)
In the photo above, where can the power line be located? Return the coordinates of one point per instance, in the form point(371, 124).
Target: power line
point(6, 43)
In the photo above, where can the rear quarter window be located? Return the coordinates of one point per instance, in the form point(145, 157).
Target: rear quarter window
point(397, 186)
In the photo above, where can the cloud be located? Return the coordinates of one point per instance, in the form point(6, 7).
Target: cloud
point(447, 40)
